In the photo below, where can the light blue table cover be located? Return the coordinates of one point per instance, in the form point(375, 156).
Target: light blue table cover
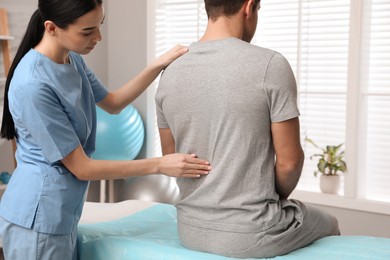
point(152, 234)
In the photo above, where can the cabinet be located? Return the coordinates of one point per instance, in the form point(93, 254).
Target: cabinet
point(6, 62)
point(4, 40)
point(5, 46)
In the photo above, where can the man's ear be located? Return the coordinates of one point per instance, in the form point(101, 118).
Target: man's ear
point(50, 27)
point(248, 8)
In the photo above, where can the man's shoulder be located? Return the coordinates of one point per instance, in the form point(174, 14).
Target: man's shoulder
point(254, 48)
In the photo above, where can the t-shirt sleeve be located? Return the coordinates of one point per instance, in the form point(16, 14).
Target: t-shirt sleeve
point(43, 117)
point(161, 120)
point(99, 90)
point(281, 89)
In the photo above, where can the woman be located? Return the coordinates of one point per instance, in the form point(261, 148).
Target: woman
point(51, 97)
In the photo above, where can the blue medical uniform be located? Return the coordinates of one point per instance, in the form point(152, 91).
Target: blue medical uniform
point(53, 108)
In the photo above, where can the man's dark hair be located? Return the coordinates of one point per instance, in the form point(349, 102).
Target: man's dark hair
point(217, 8)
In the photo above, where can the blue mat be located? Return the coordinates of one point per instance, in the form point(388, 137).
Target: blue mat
point(152, 234)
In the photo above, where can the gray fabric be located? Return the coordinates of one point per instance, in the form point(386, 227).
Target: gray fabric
point(219, 101)
point(278, 240)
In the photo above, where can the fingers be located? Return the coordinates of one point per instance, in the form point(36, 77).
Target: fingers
point(195, 173)
point(184, 165)
point(195, 167)
point(172, 55)
point(180, 48)
point(194, 159)
point(192, 176)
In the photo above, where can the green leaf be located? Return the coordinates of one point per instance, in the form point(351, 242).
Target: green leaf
point(330, 161)
point(312, 142)
point(321, 165)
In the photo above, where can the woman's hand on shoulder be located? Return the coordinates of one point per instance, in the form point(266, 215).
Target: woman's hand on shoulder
point(165, 59)
point(184, 165)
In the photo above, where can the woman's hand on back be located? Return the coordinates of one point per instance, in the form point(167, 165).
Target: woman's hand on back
point(165, 59)
point(184, 165)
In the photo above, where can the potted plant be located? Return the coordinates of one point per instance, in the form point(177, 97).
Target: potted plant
point(330, 164)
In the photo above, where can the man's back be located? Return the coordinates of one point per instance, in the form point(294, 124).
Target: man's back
point(219, 101)
point(235, 104)
point(222, 101)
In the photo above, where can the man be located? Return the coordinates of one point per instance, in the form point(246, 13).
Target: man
point(236, 105)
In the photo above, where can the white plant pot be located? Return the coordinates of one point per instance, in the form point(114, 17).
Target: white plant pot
point(330, 183)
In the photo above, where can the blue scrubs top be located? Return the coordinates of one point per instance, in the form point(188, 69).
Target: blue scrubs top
point(53, 108)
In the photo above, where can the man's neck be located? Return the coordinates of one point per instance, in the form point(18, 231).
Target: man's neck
point(223, 27)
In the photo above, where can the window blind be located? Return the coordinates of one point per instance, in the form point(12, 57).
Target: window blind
point(315, 37)
point(178, 22)
point(375, 85)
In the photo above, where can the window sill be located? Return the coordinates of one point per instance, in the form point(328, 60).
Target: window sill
point(339, 201)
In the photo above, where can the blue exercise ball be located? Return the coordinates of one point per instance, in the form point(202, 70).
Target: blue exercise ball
point(119, 136)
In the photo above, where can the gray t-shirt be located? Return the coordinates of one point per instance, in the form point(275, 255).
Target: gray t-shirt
point(219, 101)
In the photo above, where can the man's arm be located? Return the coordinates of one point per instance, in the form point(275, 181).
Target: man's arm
point(289, 155)
point(167, 141)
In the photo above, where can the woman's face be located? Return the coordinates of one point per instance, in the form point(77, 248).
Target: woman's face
point(82, 36)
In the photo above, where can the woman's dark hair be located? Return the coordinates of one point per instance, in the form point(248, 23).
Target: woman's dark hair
point(60, 12)
point(216, 8)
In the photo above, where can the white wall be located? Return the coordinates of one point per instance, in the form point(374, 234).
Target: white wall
point(354, 222)
point(126, 22)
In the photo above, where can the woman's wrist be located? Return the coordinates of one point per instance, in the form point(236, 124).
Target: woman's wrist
point(156, 65)
point(156, 165)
